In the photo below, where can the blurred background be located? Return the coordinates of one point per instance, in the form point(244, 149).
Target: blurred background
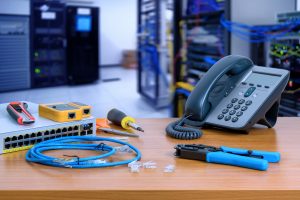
point(143, 57)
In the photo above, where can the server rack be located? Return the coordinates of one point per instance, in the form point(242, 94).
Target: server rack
point(83, 44)
point(153, 64)
point(48, 39)
point(283, 52)
point(199, 41)
point(14, 52)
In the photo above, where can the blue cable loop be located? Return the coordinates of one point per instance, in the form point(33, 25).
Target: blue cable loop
point(35, 154)
point(262, 33)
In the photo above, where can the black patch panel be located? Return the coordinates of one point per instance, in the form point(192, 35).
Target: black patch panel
point(36, 137)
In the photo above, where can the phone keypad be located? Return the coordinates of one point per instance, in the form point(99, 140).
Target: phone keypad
point(227, 118)
point(220, 116)
point(225, 111)
point(239, 113)
point(229, 105)
point(244, 108)
point(234, 119)
point(248, 103)
point(241, 101)
point(234, 100)
point(232, 112)
point(234, 109)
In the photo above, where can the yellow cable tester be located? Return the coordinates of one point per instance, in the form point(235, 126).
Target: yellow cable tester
point(60, 112)
point(86, 109)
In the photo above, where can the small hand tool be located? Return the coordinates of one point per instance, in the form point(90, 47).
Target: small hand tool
point(252, 159)
point(117, 132)
point(119, 118)
point(18, 111)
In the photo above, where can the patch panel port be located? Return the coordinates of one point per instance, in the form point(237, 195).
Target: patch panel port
point(39, 134)
point(26, 143)
point(64, 130)
point(52, 137)
point(46, 133)
point(20, 137)
point(52, 132)
point(70, 128)
point(14, 145)
point(70, 134)
point(39, 140)
point(85, 126)
point(75, 134)
point(90, 132)
point(32, 141)
point(33, 135)
point(20, 144)
point(46, 138)
point(83, 133)
point(58, 136)
point(14, 138)
point(7, 139)
point(75, 128)
point(26, 136)
point(58, 130)
point(7, 146)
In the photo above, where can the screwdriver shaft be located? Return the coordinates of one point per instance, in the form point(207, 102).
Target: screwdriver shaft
point(117, 132)
point(135, 126)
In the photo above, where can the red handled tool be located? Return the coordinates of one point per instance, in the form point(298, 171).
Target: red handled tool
point(18, 111)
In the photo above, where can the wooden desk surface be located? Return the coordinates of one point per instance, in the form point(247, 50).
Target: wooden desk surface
point(191, 179)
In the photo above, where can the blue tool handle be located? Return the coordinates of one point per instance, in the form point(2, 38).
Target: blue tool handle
point(236, 160)
point(266, 155)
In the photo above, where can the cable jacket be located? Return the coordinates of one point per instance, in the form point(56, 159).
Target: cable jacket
point(35, 154)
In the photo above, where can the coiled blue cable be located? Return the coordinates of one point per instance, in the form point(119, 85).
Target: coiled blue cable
point(35, 154)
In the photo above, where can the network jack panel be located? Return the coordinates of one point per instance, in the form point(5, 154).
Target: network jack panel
point(15, 137)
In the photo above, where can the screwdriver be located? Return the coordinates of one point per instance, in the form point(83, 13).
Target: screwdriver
point(119, 118)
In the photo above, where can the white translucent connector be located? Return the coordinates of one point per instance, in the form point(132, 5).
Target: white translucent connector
point(135, 166)
point(169, 168)
point(149, 165)
point(124, 149)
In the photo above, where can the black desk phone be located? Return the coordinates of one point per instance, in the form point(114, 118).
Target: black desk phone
point(233, 94)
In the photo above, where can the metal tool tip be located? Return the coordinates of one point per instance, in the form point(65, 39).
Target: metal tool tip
point(140, 129)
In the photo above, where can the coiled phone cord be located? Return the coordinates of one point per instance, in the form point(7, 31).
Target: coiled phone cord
point(35, 154)
point(179, 131)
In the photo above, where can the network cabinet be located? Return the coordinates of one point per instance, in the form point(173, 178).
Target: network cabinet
point(48, 40)
point(83, 44)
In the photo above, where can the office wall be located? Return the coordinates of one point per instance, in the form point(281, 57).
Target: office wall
point(118, 28)
point(17, 7)
point(256, 12)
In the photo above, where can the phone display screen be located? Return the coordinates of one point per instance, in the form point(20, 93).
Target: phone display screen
point(263, 79)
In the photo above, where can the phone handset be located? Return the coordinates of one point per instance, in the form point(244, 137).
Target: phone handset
point(197, 105)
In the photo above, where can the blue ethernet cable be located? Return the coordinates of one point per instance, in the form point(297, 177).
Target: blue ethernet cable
point(244, 31)
point(35, 154)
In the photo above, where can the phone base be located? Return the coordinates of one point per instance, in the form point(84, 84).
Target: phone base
point(271, 115)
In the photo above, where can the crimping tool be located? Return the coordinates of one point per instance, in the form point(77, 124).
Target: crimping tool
point(252, 159)
point(18, 111)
